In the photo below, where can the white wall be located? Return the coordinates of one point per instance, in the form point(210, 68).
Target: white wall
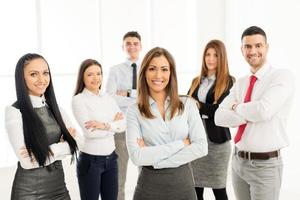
point(66, 32)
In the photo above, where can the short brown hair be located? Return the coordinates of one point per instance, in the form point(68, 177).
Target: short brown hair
point(132, 34)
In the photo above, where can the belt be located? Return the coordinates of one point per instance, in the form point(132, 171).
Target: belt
point(258, 156)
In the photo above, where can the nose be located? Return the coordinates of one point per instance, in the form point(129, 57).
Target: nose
point(158, 73)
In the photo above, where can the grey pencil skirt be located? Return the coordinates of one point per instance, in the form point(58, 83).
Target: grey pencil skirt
point(40, 183)
point(165, 184)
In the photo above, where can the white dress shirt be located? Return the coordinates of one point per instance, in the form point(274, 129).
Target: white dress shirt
point(102, 108)
point(164, 138)
point(14, 127)
point(120, 78)
point(267, 112)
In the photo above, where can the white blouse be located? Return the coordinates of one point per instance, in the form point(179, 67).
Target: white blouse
point(102, 108)
point(14, 128)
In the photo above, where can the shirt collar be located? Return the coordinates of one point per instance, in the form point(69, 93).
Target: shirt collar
point(152, 101)
point(37, 102)
point(86, 91)
point(129, 62)
point(262, 71)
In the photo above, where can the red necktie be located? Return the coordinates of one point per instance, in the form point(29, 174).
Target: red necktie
point(242, 127)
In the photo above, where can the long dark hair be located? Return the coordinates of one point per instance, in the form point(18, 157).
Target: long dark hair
point(83, 66)
point(35, 137)
point(176, 105)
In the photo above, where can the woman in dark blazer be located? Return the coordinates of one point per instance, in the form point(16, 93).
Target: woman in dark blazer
point(209, 89)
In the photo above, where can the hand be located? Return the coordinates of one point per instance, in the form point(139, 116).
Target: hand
point(24, 154)
point(122, 93)
point(93, 124)
point(118, 116)
point(141, 142)
point(72, 132)
point(187, 141)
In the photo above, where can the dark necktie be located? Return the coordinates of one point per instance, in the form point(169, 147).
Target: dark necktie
point(242, 127)
point(133, 65)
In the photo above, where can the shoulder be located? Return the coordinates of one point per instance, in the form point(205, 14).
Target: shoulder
point(116, 67)
point(79, 99)
point(188, 101)
point(12, 113)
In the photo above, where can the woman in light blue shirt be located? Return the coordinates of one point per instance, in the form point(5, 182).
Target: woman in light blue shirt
point(164, 132)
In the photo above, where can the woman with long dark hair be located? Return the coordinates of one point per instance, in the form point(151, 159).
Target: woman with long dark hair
point(39, 132)
point(209, 88)
point(100, 118)
point(164, 132)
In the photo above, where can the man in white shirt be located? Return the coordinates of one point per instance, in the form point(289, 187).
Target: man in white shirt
point(259, 108)
point(121, 85)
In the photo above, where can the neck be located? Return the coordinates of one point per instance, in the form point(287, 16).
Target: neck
point(133, 59)
point(211, 72)
point(96, 92)
point(254, 69)
point(159, 97)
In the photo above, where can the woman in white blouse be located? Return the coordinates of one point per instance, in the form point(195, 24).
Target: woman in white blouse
point(100, 118)
point(164, 132)
point(38, 133)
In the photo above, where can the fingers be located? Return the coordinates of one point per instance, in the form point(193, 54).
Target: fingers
point(118, 116)
point(72, 131)
point(24, 154)
point(141, 142)
point(90, 124)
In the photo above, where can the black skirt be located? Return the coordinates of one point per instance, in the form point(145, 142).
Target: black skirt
point(40, 183)
point(165, 184)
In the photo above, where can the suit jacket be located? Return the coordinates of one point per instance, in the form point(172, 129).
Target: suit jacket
point(216, 134)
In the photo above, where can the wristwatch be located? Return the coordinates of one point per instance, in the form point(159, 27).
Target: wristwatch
point(128, 92)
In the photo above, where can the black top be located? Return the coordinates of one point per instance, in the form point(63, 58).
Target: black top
point(216, 134)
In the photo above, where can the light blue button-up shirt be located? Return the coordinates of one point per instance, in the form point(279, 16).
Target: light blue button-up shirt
point(164, 138)
point(120, 78)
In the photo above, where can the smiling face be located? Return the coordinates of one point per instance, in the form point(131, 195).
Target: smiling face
point(158, 75)
point(254, 49)
point(132, 46)
point(37, 76)
point(92, 78)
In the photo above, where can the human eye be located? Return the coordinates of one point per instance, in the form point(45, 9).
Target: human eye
point(33, 74)
point(165, 69)
point(151, 68)
point(46, 73)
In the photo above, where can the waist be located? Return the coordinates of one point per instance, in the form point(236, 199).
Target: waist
point(98, 157)
point(257, 155)
point(167, 169)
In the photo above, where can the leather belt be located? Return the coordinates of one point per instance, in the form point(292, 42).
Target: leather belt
point(258, 156)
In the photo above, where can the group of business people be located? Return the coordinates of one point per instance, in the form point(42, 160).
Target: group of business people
point(181, 143)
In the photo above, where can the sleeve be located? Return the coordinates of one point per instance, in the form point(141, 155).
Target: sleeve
point(272, 101)
point(112, 87)
point(198, 147)
point(149, 155)
point(118, 126)
point(224, 115)
point(78, 138)
point(210, 109)
point(14, 127)
point(82, 115)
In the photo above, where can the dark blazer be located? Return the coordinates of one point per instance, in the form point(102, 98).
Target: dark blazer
point(216, 134)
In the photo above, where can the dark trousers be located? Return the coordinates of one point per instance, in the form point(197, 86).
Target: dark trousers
point(97, 175)
point(220, 194)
